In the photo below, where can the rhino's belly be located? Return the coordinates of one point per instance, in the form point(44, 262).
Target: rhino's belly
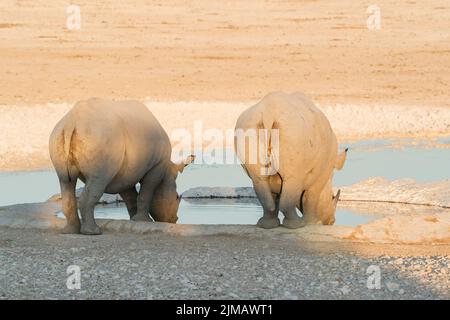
point(119, 186)
point(128, 176)
point(275, 184)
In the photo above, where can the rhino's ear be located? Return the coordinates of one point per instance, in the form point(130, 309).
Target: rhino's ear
point(340, 160)
point(186, 162)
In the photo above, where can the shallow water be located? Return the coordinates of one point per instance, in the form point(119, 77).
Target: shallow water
point(392, 159)
point(220, 211)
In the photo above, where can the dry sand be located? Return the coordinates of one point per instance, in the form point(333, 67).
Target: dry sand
point(226, 50)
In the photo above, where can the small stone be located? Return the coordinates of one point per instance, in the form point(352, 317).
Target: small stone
point(345, 290)
point(289, 295)
point(392, 286)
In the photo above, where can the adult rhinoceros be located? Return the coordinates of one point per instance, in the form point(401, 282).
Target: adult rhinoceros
point(111, 146)
point(304, 159)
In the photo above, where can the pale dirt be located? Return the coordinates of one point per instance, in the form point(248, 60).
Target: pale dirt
point(26, 129)
point(33, 265)
point(226, 51)
point(155, 260)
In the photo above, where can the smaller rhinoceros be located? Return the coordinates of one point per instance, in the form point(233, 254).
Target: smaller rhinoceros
point(111, 146)
point(301, 164)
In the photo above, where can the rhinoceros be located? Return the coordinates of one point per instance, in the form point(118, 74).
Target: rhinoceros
point(301, 151)
point(111, 146)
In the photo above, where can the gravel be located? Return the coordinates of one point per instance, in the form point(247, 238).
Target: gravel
point(34, 265)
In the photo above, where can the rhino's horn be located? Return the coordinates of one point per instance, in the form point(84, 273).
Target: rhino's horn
point(336, 197)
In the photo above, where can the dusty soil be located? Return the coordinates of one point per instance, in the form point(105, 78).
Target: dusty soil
point(232, 50)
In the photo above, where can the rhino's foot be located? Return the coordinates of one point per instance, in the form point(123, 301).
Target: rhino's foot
point(71, 229)
point(141, 217)
point(293, 223)
point(268, 223)
point(90, 229)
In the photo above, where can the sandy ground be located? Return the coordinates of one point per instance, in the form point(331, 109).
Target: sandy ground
point(33, 264)
point(233, 50)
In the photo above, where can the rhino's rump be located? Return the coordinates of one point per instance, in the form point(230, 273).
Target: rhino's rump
point(306, 144)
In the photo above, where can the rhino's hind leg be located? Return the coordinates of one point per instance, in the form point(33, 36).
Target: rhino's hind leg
point(288, 203)
point(89, 197)
point(130, 198)
point(269, 219)
point(69, 207)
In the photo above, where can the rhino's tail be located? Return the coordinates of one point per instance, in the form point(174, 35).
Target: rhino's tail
point(271, 142)
point(68, 140)
point(68, 134)
point(267, 120)
point(61, 150)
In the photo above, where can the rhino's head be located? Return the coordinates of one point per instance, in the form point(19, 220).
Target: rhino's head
point(326, 208)
point(165, 201)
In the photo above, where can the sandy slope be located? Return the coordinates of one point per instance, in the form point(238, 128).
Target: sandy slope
point(226, 50)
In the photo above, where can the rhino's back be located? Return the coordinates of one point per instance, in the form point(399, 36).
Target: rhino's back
point(108, 119)
point(307, 143)
point(299, 121)
point(127, 114)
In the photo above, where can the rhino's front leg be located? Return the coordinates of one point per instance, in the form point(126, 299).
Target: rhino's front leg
point(307, 206)
point(269, 219)
point(310, 200)
point(144, 199)
point(130, 198)
point(289, 200)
